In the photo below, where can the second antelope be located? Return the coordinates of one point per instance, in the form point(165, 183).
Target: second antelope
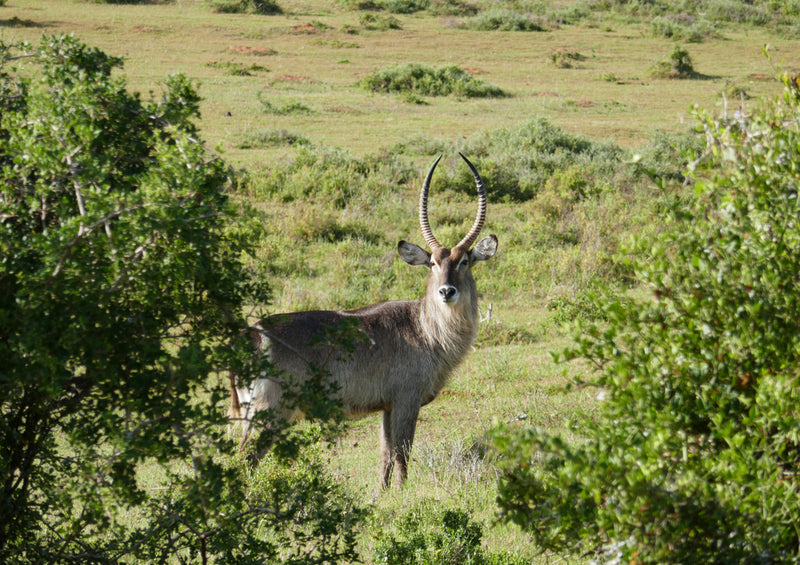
point(410, 348)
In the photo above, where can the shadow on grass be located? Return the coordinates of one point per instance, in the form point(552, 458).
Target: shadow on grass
point(17, 22)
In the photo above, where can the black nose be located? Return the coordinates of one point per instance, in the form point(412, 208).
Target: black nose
point(447, 292)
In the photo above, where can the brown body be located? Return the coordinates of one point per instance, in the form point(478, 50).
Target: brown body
point(409, 350)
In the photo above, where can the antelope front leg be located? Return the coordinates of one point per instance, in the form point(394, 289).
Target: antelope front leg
point(404, 425)
point(386, 449)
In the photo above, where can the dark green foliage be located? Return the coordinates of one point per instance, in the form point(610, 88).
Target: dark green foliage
point(262, 7)
point(677, 65)
point(693, 457)
point(428, 81)
point(429, 535)
point(121, 283)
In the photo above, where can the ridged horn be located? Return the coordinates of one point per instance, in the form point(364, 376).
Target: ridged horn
point(424, 225)
point(470, 238)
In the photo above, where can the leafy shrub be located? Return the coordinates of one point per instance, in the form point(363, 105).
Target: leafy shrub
point(693, 457)
point(427, 81)
point(122, 276)
point(430, 535)
point(678, 65)
point(324, 516)
point(262, 7)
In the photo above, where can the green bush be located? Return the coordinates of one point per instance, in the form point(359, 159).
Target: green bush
point(262, 7)
point(122, 279)
point(677, 65)
point(693, 455)
point(428, 81)
point(430, 535)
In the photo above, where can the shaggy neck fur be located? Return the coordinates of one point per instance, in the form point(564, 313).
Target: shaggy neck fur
point(452, 327)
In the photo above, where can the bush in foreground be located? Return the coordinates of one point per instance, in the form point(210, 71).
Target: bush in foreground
point(693, 457)
point(121, 282)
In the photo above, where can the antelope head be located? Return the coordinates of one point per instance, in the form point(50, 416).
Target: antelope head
point(450, 282)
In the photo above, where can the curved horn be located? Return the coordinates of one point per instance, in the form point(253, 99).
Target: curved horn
point(469, 239)
point(424, 225)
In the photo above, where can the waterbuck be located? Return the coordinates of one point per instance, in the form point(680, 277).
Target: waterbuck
point(410, 348)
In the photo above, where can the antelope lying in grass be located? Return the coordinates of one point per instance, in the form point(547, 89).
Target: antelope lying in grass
point(411, 346)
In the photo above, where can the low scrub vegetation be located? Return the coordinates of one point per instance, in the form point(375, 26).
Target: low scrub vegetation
point(414, 78)
point(430, 535)
point(262, 7)
point(271, 138)
point(504, 19)
point(677, 66)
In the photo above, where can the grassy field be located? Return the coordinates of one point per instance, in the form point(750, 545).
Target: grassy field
point(284, 87)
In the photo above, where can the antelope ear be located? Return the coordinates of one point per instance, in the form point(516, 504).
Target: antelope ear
point(485, 249)
point(413, 254)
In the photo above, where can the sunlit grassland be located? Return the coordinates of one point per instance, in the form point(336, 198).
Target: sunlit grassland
point(310, 56)
point(298, 74)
